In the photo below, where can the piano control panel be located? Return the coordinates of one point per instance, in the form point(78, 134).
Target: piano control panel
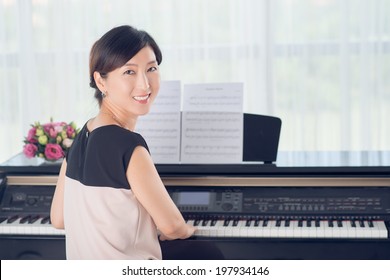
point(279, 201)
point(27, 199)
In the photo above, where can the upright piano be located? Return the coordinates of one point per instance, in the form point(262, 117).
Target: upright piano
point(306, 206)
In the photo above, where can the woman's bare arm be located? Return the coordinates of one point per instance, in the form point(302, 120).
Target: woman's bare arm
point(150, 191)
point(57, 205)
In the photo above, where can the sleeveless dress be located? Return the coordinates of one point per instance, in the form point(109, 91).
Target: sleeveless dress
point(103, 219)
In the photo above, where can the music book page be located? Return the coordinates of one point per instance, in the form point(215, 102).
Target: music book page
point(212, 123)
point(161, 126)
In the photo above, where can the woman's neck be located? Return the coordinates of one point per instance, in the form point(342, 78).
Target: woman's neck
point(119, 116)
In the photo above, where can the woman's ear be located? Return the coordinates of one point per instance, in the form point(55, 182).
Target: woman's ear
point(100, 82)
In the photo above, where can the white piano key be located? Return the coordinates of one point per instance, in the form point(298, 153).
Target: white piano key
point(381, 229)
point(289, 231)
point(242, 230)
point(312, 231)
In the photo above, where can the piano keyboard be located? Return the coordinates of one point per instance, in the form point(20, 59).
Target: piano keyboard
point(37, 225)
point(291, 228)
point(28, 225)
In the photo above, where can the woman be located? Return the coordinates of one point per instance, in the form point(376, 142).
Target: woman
point(109, 196)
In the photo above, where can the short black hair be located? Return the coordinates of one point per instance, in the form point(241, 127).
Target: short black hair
point(115, 48)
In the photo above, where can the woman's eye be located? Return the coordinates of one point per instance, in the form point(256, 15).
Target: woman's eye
point(152, 69)
point(129, 72)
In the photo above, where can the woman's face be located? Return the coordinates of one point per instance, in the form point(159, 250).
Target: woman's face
point(133, 87)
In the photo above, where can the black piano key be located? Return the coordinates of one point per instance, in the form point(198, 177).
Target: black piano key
point(339, 223)
point(248, 223)
point(196, 222)
point(278, 223)
point(25, 219)
point(46, 220)
point(265, 223)
point(226, 223)
point(300, 223)
point(330, 223)
point(205, 222)
point(317, 223)
point(308, 223)
point(213, 223)
point(235, 222)
point(353, 223)
point(33, 219)
point(370, 224)
point(12, 219)
point(2, 219)
point(257, 222)
point(361, 223)
point(287, 223)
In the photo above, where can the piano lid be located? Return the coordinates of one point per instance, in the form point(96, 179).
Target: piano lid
point(309, 163)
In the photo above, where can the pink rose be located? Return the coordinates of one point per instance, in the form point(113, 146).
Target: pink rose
point(53, 151)
point(30, 150)
point(31, 135)
point(70, 131)
point(52, 132)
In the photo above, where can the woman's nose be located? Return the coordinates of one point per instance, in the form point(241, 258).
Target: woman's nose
point(143, 82)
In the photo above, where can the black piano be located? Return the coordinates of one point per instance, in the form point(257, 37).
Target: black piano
point(303, 206)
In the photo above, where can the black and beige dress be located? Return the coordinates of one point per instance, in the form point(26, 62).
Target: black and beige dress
point(103, 218)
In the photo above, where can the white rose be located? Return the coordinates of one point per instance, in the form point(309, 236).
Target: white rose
point(67, 142)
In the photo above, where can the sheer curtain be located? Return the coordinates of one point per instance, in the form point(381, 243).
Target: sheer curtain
point(321, 66)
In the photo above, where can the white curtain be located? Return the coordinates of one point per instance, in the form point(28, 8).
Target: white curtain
point(322, 66)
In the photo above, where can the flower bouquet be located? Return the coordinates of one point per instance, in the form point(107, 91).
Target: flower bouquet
point(50, 140)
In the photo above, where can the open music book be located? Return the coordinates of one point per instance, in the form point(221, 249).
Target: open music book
point(209, 129)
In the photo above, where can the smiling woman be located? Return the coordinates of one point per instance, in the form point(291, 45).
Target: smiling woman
point(108, 172)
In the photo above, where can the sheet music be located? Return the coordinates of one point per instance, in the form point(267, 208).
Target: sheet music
point(161, 126)
point(212, 123)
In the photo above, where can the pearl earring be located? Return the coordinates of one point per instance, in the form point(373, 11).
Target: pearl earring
point(104, 94)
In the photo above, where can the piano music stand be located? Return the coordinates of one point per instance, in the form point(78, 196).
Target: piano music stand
point(261, 138)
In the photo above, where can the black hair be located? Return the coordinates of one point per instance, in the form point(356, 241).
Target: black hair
point(115, 48)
